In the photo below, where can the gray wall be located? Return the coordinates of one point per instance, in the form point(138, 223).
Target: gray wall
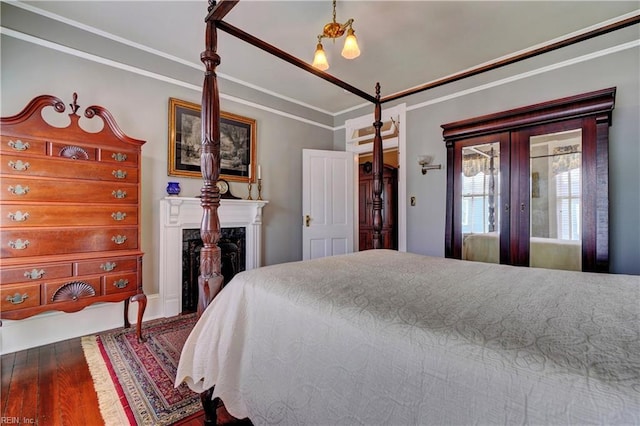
point(140, 107)
point(139, 104)
point(540, 79)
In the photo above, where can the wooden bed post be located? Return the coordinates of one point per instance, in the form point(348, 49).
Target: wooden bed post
point(378, 167)
point(210, 279)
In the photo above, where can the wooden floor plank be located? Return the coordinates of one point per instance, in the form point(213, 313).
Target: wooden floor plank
point(79, 403)
point(17, 383)
point(29, 411)
point(48, 387)
point(88, 398)
point(6, 371)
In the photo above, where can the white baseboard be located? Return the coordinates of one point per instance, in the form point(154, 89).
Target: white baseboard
point(53, 327)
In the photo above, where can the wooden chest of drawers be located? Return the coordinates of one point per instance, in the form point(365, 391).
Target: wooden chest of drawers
point(70, 223)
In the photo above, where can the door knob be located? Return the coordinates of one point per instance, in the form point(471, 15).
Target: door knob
point(307, 220)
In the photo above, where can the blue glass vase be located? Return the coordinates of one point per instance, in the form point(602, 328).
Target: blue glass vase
point(173, 188)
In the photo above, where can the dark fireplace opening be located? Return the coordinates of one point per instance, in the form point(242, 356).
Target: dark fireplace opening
point(232, 246)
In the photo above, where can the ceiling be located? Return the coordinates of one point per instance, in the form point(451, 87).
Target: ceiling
point(404, 43)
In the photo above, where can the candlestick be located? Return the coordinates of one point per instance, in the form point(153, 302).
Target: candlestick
point(259, 185)
point(249, 197)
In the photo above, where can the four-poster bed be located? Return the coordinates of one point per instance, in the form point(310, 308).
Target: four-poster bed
point(443, 330)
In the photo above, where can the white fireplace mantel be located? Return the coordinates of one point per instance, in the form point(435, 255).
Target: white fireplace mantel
point(179, 213)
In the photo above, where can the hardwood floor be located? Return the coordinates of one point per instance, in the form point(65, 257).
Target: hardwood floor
point(52, 385)
point(49, 385)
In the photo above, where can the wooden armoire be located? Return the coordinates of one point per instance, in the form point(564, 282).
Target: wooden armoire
point(389, 207)
point(551, 193)
point(70, 226)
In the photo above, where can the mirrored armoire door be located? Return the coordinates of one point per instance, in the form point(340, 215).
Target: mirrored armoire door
point(529, 186)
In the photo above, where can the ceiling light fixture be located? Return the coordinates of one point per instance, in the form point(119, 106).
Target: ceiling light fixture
point(334, 30)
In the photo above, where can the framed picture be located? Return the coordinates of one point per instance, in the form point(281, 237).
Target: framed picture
point(237, 143)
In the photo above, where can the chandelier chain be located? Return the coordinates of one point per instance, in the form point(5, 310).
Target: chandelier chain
point(334, 10)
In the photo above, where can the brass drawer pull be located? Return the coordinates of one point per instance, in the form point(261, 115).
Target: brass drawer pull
point(18, 216)
point(19, 165)
point(118, 216)
point(121, 283)
point(119, 239)
point(18, 190)
point(34, 274)
point(17, 298)
point(119, 174)
point(18, 145)
point(119, 156)
point(108, 267)
point(19, 244)
point(119, 193)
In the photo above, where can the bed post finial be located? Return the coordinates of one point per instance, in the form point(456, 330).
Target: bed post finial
point(378, 166)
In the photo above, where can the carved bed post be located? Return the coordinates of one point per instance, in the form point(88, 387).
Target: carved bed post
point(378, 166)
point(210, 279)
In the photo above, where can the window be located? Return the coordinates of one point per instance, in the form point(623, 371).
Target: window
point(476, 204)
point(568, 196)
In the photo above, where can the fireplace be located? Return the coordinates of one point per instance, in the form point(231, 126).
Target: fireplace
point(232, 248)
point(180, 214)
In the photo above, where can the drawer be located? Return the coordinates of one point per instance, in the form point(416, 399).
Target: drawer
point(118, 283)
point(19, 296)
point(17, 145)
point(70, 290)
point(23, 215)
point(122, 264)
point(36, 272)
point(22, 165)
point(35, 242)
point(73, 151)
point(120, 157)
point(24, 189)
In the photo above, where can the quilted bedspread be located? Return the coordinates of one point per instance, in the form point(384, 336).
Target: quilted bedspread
point(391, 338)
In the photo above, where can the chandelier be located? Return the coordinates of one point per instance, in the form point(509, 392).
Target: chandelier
point(334, 30)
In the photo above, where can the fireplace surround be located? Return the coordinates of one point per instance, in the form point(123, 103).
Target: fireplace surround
point(180, 213)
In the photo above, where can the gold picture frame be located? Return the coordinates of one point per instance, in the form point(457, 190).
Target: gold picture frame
point(237, 143)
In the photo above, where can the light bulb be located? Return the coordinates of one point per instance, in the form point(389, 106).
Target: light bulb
point(320, 58)
point(351, 49)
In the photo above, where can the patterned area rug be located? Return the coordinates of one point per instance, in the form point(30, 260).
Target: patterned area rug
point(134, 381)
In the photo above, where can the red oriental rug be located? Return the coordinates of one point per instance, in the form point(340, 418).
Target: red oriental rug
point(135, 381)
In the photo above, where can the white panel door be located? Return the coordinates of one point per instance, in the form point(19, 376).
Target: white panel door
point(328, 199)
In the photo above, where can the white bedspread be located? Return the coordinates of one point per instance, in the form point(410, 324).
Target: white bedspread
point(390, 338)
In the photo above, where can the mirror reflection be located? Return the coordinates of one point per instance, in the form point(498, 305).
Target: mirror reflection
point(480, 196)
point(555, 200)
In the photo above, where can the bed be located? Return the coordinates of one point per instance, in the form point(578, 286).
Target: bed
point(386, 337)
point(383, 337)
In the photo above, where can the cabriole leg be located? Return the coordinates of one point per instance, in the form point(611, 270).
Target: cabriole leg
point(141, 298)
